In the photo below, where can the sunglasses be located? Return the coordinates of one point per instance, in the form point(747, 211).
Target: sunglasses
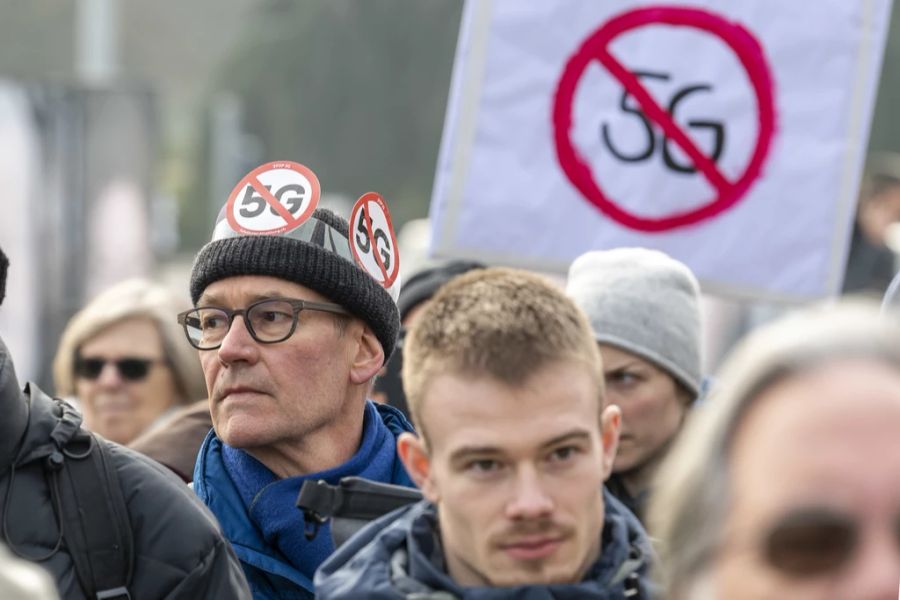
point(813, 542)
point(129, 368)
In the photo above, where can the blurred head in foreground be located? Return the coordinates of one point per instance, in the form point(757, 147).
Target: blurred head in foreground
point(786, 483)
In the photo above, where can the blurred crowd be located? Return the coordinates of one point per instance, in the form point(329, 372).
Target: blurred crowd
point(297, 431)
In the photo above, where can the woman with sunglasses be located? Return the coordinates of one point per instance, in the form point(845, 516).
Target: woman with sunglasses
point(786, 483)
point(123, 359)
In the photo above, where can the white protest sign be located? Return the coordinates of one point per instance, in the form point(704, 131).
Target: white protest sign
point(729, 135)
point(273, 198)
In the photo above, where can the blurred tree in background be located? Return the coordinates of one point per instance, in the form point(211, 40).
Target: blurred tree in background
point(354, 90)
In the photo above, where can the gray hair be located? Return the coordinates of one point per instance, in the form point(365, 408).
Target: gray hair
point(134, 298)
point(691, 497)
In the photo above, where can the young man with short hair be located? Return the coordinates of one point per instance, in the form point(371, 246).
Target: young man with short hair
point(504, 382)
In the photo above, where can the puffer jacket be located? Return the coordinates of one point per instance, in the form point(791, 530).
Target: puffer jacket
point(270, 575)
point(399, 557)
point(179, 551)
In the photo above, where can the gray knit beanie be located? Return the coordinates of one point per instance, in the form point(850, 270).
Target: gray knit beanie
point(643, 302)
point(316, 256)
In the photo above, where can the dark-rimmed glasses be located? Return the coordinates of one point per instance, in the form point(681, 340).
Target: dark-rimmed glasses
point(268, 321)
point(130, 368)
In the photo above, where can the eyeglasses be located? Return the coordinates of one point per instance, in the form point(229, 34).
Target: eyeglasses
point(130, 368)
point(812, 542)
point(268, 321)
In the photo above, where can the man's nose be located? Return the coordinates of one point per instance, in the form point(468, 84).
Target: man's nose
point(238, 344)
point(531, 496)
point(875, 572)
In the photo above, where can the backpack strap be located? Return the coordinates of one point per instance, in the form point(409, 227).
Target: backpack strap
point(97, 533)
point(353, 497)
point(350, 505)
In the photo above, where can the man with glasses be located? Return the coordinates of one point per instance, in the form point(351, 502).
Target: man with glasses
point(291, 332)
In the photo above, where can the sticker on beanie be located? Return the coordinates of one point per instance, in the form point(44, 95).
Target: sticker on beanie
point(273, 199)
point(373, 242)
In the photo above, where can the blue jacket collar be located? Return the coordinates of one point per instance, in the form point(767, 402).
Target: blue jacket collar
point(399, 555)
point(216, 489)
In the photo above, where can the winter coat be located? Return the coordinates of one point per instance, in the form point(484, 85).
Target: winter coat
point(179, 552)
point(175, 441)
point(269, 573)
point(399, 557)
point(636, 504)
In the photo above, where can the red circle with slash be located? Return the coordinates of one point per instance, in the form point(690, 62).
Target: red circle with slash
point(596, 48)
point(366, 204)
point(303, 175)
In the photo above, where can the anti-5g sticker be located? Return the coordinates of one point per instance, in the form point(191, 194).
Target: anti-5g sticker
point(274, 198)
point(373, 242)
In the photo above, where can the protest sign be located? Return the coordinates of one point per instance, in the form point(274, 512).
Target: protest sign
point(729, 135)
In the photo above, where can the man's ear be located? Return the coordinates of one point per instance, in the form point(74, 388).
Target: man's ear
point(368, 356)
point(610, 422)
point(415, 458)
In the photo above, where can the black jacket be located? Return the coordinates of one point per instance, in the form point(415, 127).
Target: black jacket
point(398, 557)
point(178, 549)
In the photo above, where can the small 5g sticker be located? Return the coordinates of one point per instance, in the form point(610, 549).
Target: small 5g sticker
point(273, 198)
point(372, 240)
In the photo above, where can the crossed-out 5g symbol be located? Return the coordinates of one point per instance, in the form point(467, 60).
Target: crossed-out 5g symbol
point(382, 242)
point(629, 106)
point(252, 204)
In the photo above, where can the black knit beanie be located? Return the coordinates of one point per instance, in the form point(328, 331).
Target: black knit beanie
point(424, 284)
point(4, 266)
point(308, 264)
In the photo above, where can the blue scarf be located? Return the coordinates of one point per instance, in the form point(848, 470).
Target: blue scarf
point(270, 502)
